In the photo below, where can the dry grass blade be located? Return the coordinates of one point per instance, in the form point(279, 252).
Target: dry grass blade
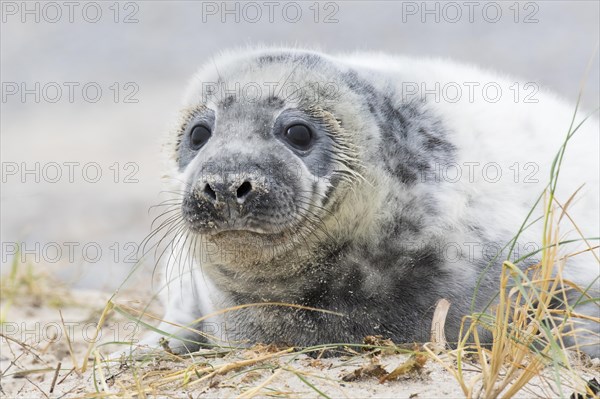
point(68, 338)
point(55, 377)
point(99, 365)
point(256, 390)
point(438, 337)
point(109, 306)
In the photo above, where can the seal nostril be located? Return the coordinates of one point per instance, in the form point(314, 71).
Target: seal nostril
point(244, 189)
point(210, 192)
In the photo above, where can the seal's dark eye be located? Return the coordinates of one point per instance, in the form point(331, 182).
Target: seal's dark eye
point(300, 136)
point(199, 136)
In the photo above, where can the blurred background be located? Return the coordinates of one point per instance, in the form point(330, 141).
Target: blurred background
point(90, 88)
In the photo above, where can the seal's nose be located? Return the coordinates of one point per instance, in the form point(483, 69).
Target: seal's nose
point(218, 192)
point(243, 191)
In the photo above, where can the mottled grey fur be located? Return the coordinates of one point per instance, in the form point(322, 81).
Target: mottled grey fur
point(353, 226)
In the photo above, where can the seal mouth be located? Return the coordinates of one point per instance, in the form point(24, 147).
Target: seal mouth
point(225, 231)
point(239, 229)
point(250, 240)
point(248, 232)
point(246, 235)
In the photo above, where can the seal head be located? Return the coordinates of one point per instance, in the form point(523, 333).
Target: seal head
point(265, 166)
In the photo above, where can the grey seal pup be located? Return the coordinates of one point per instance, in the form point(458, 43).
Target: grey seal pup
point(320, 199)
